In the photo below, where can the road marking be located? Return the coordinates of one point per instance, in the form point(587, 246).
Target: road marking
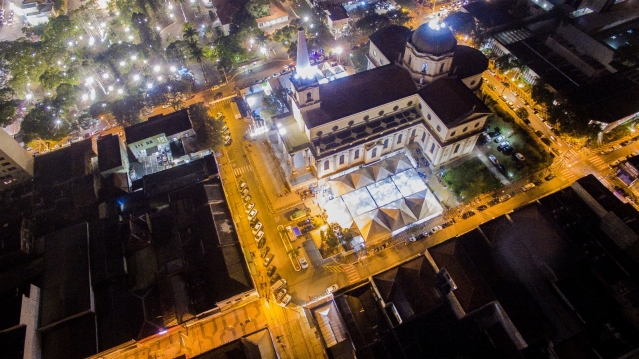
point(334, 269)
point(351, 273)
point(240, 170)
point(569, 175)
point(572, 156)
point(599, 163)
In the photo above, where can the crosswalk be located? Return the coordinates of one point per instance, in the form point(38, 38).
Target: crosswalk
point(599, 163)
point(238, 171)
point(569, 175)
point(603, 181)
point(222, 103)
point(334, 269)
point(572, 156)
point(351, 273)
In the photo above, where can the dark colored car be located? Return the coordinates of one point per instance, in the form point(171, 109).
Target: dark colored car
point(501, 168)
point(261, 243)
point(483, 207)
point(448, 224)
point(421, 235)
point(218, 96)
point(264, 251)
point(275, 278)
point(549, 177)
point(271, 271)
point(468, 214)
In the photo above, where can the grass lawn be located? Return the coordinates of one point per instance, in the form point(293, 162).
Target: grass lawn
point(470, 179)
point(536, 154)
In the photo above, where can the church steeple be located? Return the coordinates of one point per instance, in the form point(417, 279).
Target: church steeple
point(303, 68)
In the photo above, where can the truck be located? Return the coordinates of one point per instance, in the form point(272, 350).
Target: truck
point(236, 111)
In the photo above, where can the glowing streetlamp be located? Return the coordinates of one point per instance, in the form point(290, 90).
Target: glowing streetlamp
point(338, 51)
point(157, 68)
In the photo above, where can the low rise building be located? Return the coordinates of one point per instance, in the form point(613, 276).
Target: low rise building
point(337, 19)
point(147, 138)
point(16, 164)
point(277, 16)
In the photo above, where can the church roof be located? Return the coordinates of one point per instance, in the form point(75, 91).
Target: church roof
point(360, 92)
point(468, 61)
point(452, 101)
point(433, 39)
point(391, 41)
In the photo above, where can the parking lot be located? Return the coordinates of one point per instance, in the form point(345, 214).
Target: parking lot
point(156, 162)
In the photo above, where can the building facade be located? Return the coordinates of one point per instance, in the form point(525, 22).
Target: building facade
point(421, 98)
point(16, 164)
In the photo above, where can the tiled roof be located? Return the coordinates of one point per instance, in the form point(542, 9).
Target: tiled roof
point(452, 101)
point(170, 124)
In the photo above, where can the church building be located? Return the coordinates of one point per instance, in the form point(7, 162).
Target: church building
point(418, 89)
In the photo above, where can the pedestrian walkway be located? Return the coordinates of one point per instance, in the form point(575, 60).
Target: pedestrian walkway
point(351, 273)
point(482, 157)
point(334, 269)
point(572, 156)
point(220, 103)
point(241, 170)
point(569, 175)
point(270, 176)
point(599, 163)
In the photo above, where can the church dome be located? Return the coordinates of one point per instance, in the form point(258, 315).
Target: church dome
point(433, 38)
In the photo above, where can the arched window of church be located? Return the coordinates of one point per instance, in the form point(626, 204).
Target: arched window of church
point(309, 97)
point(453, 134)
point(465, 129)
point(326, 165)
point(456, 149)
point(410, 59)
point(356, 154)
point(424, 67)
point(423, 136)
point(476, 124)
point(374, 153)
point(413, 133)
point(439, 129)
point(441, 68)
point(399, 139)
point(432, 148)
point(386, 143)
point(341, 158)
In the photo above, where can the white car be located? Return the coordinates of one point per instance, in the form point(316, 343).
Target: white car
point(527, 187)
point(242, 184)
point(256, 228)
point(436, 229)
point(287, 299)
point(303, 262)
point(244, 192)
point(519, 156)
point(331, 289)
point(219, 115)
point(259, 236)
point(249, 207)
point(252, 214)
point(493, 159)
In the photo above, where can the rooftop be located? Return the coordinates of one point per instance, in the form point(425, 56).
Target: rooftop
point(468, 61)
point(391, 41)
point(169, 125)
point(433, 39)
point(63, 165)
point(257, 345)
point(225, 10)
point(360, 92)
point(452, 101)
point(109, 155)
point(337, 12)
point(275, 12)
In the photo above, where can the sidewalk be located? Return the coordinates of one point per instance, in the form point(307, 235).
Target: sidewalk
point(269, 176)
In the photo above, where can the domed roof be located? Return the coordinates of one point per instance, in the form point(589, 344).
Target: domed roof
point(433, 38)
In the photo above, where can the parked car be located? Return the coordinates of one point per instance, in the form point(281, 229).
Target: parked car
point(275, 278)
point(259, 235)
point(271, 271)
point(436, 229)
point(528, 186)
point(498, 139)
point(331, 289)
point(303, 262)
point(252, 214)
point(550, 177)
point(504, 198)
point(281, 293)
point(286, 300)
point(468, 214)
point(218, 96)
point(261, 243)
point(268, 259)
point(244, 192)
point(483, 207)
point(493, 159)
point(248, 207)
point(242, 184)
point(520, 157)
point(264, 251)
point(246, 198)
point(257, 227)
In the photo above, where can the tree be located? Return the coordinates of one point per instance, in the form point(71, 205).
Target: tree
point(399, 17)
point(196, 53)
point(505, 62)
point(34, 31)
point(44, 121)
point(177, 51)
point(258, 8)
point(293, 252)
point(372, 22)
point(126, 111)
point(540, 94)
point(189, 33)
point(8, 106)
point(51, 78)
point(461, 23)
point(208, 131)
point(287, 33)
point(66, 96)
point(522, 113)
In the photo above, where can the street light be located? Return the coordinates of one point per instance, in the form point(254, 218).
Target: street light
point(157, 68)
point(338, 51)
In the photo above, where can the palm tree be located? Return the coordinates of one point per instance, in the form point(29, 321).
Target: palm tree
point(189, 33)
point(294, 252)
point(196, 53)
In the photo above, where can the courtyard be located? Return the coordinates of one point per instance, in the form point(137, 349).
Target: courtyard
point(470, 179)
